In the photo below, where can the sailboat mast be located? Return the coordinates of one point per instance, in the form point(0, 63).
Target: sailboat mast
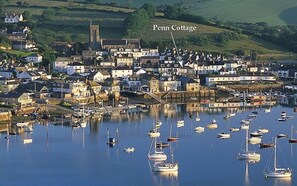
point(292, 132)
point(274, 164)
point(246, 140)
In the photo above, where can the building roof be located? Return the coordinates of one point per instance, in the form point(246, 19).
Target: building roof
point(122, 68)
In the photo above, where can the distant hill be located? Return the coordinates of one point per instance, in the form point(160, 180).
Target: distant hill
point(274, 12)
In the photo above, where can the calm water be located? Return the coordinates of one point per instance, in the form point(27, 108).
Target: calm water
point(62, 156)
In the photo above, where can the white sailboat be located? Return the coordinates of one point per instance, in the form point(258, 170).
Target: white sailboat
point(154, 154)
point(248, 155)
point(277, 172)
point(166, 166)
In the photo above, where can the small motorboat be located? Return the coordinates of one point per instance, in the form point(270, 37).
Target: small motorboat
point(256, 134)
point(245, 122)
point(234, 129)
point(154, 133)
point(255, 112)
point(224, 135)
point(172, 139)
point(282, 136)
point(263, 130)
point(252, 115)
point(199, 129)
point(266, 145)
point(292, 140)
point(244, 127)
point(254, 140)
point(212, 125)
point(129, 149)
point(281, 119)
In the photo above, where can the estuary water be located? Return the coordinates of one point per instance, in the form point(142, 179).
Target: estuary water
point(61, 155)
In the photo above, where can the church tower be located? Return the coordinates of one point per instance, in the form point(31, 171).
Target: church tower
point(94, 37)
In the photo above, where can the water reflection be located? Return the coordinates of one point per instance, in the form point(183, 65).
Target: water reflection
point(280, 181)
point(161, 178)
point(246, 175)
point(204, 149)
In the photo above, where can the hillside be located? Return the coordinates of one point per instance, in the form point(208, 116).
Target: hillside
point(274, 12)
point(246, 43)
point(71, 21)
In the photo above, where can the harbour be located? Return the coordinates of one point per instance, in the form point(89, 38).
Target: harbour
point(61, 154)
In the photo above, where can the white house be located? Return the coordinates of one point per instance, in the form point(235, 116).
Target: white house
point(121, 71)
point(13, 18)
point(75, 68)
point(35, 58)
point(221, 79)
point(244, 78)
point(99, 76)
point(132, 83)
point(169, 83)
point(61, 63)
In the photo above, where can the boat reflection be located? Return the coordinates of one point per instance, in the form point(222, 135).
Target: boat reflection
point(173, 174)
point(246, 175)
point(283, 181)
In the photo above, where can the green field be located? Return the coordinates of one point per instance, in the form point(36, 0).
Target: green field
point(274, 12)
point(246, 42)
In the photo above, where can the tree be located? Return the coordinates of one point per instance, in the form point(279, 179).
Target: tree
point(150, 9)
point(2, 4)
point(27, 15)
point(48, 14)
point(78, 47)
point(135, 22)
point(172, 12)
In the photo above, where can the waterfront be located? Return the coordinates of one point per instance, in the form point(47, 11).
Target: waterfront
point(60, 155)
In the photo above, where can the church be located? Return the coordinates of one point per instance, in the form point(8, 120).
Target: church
point(95, 42)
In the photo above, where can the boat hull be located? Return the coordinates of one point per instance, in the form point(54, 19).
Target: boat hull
point(166, 167)
point(292, 140)
point(157, 157)
point(249, 156)
point(279, 174)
